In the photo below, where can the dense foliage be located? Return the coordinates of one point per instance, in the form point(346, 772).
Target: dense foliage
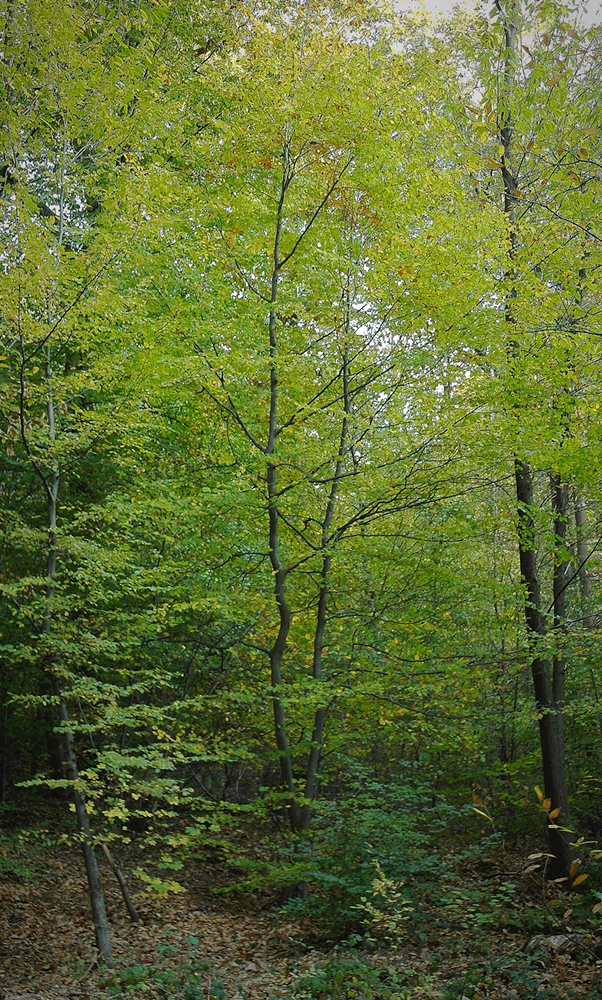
point(291, 296)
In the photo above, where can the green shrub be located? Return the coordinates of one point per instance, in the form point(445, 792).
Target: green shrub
point(391, 826)
point(191, 979)
point(351, 976)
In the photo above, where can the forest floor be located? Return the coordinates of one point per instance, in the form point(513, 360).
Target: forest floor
point(200, 946)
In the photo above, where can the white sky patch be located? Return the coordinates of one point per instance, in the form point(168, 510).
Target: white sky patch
point(588, 11)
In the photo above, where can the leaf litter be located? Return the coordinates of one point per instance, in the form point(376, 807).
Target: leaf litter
point(240, 948)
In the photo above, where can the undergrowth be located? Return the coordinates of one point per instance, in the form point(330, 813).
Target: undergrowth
point(188, 977)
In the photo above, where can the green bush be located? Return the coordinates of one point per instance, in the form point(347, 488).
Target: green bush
point(191, 979)
point(392, 826)
point(351, 976)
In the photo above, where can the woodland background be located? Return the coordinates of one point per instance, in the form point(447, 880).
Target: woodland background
point(300, 487)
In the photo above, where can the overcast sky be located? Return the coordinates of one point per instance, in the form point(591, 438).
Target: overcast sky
point(591, 9)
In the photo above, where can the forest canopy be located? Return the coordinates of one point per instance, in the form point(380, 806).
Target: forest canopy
point(300, 449)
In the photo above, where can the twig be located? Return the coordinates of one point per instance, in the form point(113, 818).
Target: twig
point(89, 969)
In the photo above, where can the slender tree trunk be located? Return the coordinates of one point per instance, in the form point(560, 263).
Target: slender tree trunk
point(101, 924)
point(277, 653)
point(560, 504)
point(585, 584)
point(548, 683)
point(548, 680)
point(51, 482)
point(97, 902)
point(299, 816)
point(125, 892)
point(559, 839)
point(284, 613)
point(316, 751)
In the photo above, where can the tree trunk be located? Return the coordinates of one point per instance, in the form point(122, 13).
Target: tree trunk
point(547, 683)
point(316, 750)
point(284, 613)
point(97, 901)
point(299, 814)
point(548, 680)
point(560, 506)
point(51, 484)
point(585, 584)
point(125, 892)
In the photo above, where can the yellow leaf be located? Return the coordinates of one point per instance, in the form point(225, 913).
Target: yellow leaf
point(553, 81)
point(555, 813)
point(539, 793)
point(574, 867)
point(580, 879)
point(481, 813)
point(546, 804)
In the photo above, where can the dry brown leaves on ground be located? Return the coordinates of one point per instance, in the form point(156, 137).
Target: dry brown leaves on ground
point(237, 951)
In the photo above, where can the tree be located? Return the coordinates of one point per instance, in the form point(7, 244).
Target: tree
point(542, 327)
point(80, 112)
point(294, 235)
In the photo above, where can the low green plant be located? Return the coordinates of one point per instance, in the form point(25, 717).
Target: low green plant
point(354, 977)
point(480, 906)
point(515, 972)
point(13, 852)
point(519, 975)
point(191, 979)
point(13, 869)
point(461, 986)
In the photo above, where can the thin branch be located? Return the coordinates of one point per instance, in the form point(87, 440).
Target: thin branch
point(315, 215)
point(67, 310)
point(577, 571)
